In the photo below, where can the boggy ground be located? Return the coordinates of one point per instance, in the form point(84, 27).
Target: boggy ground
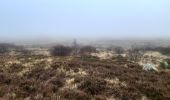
point(79, 78)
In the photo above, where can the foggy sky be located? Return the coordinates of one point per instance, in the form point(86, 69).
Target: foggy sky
point(31, 19)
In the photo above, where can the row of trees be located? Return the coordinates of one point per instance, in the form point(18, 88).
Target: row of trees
point(59, 50)
point(5, 47)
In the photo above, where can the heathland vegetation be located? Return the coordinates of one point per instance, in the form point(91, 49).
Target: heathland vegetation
point(84, 73)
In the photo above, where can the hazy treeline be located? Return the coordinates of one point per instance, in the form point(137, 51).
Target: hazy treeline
point(77, 49)
point(61, 50)
point(6, 48)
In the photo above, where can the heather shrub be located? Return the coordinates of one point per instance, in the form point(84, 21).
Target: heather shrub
point(75, 95)
point(93, 86)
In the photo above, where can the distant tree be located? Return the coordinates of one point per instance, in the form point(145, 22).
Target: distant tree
point(61, 50)
point(87, 50)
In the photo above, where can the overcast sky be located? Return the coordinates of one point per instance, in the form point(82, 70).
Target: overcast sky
point(84, 18)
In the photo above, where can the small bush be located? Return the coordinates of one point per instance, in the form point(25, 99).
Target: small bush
point(28, 86)
point(61, 50)
point(135, 54)
point(116, 49)
point(59, 82)
point(5, 78)
point(93, 86)
point(87, 50)
point(165, 64)
point(15, 68)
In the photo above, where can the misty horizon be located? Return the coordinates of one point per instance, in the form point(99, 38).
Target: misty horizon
point(84, 49)
point(94, 19)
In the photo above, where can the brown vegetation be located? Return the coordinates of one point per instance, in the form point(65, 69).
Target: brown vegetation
point(79, 78)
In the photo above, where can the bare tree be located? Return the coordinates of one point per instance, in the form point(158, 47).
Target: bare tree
point(135, 54)
point(75, 47)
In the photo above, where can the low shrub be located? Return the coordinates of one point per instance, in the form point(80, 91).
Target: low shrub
point(93, 86)
point(59, 82)
point(165, 64)
point(61, 50)
point(28, 86)
point(15, 68)
point(86, 50)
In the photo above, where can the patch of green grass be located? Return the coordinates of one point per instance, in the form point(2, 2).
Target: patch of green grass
point(165, 64)
point(89, 58)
